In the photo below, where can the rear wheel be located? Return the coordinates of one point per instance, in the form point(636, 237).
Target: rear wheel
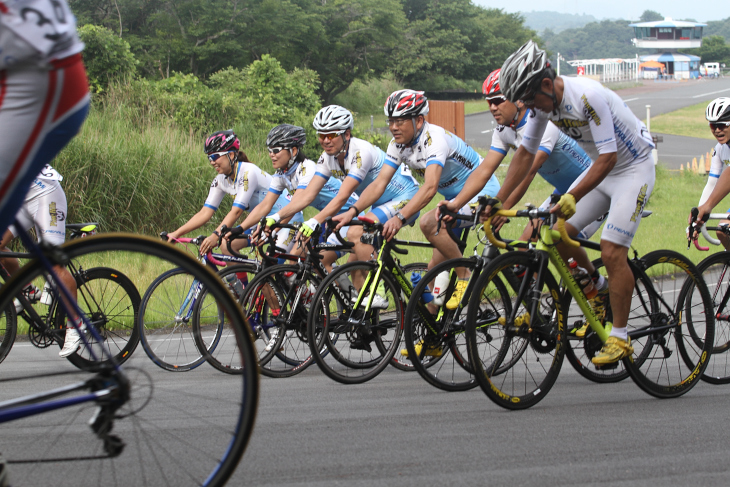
point(8, 329)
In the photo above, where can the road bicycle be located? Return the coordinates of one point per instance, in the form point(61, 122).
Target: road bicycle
point(128, 424)
point(671, 340)
point(174, 301)
point(715, 272)
point(106, 295)
point(354, 334)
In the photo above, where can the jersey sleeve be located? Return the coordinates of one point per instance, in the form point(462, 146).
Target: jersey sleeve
point(215, 195)
point(499, 145)
point(437, 149)
point(549, 138)
point(247, 182)
point(360, 165)
point(306, 171)
point(716, 168)
point(323, 169)
point(392, 155)
point(534, 130)
point(278, 185)
point(600, 120)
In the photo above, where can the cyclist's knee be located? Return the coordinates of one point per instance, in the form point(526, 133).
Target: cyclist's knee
point(427, 223)
point(613, 254)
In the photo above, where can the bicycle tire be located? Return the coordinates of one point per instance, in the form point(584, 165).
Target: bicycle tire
point(170, 436)
point(112, 302)
point(165, 328)
point(714, 270)
point(8, 330)
point(399, 361)
point(668, 358)
point(535, 352)
point(357, 350)
point(451, 371)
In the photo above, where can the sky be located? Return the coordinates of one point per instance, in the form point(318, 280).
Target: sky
point(701, 11)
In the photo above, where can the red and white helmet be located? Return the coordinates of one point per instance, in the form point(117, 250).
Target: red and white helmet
point(406, 103)
point(491, 88)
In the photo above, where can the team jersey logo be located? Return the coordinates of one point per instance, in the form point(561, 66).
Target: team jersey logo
point(428, 140)
point(590, 112)
point(245, 181)
point(302, 171)
point(358, 160)
point(640, 202)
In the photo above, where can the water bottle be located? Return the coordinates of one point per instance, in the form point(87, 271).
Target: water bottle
point(440, 286)
point(583, 278)
point(235, 284)
point(426, 297)
point(47, 294)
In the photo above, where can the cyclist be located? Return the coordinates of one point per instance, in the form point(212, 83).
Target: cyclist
point(619, 181)
point(239, 177)
point(44, 93)
point(45, 209)
point(440, 157)
point(559, 159)
point(294, 173)
point(718, 181)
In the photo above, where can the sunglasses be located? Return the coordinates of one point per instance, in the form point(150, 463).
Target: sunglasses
point(216, 155)
point(719, 125)
point(330, 136)
point(496, 100)
point(276, 150)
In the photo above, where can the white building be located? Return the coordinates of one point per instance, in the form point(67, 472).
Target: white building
point(666, 36)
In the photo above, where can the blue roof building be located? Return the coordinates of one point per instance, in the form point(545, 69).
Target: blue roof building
point(667, 36)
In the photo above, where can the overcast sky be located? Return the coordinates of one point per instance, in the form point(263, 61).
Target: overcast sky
point(701, 11)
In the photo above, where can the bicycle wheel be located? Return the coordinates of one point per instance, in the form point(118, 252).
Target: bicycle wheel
point(277, 312)
point(672, 346)
point(715, 271)
point(352, 345)
point(8, 329)
point(177, 429)
point(400, 361)
point(111, 301)
point(440, 349)
point(516, 356)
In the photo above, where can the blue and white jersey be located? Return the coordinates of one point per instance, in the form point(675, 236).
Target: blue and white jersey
point(299, 176)
point(363, 162)
point(566, 160)
point(435, 145)
point(45, 183)
point(720, 162)
point(249, 185)
point(598, 120)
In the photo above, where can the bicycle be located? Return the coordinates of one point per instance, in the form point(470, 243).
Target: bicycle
point(361, 330)
point(668, 358)
point(107, 296)
point(174, 301)
point(132, 425)
point(714, 271)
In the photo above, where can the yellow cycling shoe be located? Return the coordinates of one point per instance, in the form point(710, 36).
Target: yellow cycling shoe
point(431, 351)
point(519, 321)
point(458, 294)
point(613, 350)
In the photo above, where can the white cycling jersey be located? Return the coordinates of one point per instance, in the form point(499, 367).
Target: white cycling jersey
point(435, 145)
point(720, 162)
point(249, 184)
point(44, 208)
point(46, 182)
point(597, 119)
point(363, 163)
point(566, 160)
point(299, 176)
point(36, 32)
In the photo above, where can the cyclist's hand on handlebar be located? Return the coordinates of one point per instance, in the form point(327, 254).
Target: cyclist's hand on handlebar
point(449, 206)
point(209, 244)
point(391, 228)
point(498, 222)
point(342, 219)
point(565, 207)
point(697, 217)
point(493, 206)
point(309, 227)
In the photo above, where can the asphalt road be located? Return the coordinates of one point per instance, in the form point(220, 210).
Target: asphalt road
point(663, 98)
point(398, 430)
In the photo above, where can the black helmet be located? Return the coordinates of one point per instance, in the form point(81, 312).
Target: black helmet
point(286, 136)
point(222, 141)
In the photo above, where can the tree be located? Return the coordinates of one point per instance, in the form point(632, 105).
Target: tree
point(714, 49)
point(650, 16)
point(106, 56)
point(609, 38)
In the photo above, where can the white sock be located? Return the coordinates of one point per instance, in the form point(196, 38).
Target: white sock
point(621, 333)
point(78, 322)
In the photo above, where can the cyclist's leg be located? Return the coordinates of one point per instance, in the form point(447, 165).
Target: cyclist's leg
point(40, 112)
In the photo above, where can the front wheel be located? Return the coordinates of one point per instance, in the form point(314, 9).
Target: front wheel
point(8, 329)
point(516, 353)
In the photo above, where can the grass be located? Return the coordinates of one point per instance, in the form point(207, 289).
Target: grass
point(689, 121)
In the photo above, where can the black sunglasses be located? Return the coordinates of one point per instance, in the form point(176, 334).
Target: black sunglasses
point(719, 125)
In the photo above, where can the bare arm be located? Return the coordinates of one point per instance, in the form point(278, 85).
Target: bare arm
point(519, 192)
point(477, 180)
point(303, 197)
point(596, 173)
point(348, 186)
point(198, 220)
point(260, 211)
point(722, 188)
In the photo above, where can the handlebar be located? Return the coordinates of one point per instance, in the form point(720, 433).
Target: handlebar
point(528, 213)
point(692, 229)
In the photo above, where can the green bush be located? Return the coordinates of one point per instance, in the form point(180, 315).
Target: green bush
point(106, 57)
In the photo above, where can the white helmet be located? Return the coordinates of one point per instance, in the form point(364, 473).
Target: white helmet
point(522, 70)
point(333, 118)
point(718, 110)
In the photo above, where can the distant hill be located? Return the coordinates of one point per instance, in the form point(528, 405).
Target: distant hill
point(717, 27)
point(556, 21)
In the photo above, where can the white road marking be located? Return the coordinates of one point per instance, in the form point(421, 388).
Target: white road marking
point(711, 93)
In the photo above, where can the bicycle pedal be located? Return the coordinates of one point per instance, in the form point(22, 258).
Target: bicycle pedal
point(612, 366)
